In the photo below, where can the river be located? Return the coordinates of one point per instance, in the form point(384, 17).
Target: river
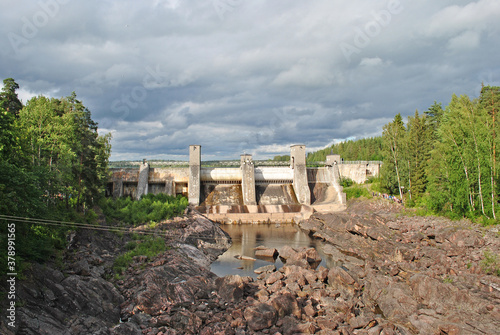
point(246, 237)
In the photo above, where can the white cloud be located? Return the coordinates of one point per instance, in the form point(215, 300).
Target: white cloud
point(453, 20)
point(466, 40)
point(376, 61)
point(306, 72)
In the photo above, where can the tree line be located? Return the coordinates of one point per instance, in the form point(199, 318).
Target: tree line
point(365, 149)
point(446, 159)
point(53, 164)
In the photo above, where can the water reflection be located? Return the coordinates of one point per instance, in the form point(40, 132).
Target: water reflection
point(247, 237)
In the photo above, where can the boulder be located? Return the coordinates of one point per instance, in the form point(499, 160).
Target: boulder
point(286, 304)
point(266, 253)
point(260, 316)
point(304, 257)
point(230, 288)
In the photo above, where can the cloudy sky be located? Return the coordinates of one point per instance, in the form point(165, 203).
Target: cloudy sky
point(248, 76)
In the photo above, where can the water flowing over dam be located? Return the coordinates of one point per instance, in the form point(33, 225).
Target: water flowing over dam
point(247, 191)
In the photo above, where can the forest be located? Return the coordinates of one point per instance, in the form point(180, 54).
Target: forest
point(365, 149)
point(53, 166)
point(444, 161)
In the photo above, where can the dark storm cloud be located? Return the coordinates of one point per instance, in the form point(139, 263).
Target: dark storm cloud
point(248, 76)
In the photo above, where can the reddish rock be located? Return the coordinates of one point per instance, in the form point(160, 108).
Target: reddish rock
point(266, 253)
point(339, 277)
point(310, 276)
point(277, 286)
point(306, 328)
point(322, 273)
point(230, 288)
point(286, 304)
point(260, 316)
point(327, 323)
point(273, 278)
point(360, 322)
point(286, 252)
point(309, 310)
point(265, 269)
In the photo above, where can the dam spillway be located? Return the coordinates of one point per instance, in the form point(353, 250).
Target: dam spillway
point(246, 191)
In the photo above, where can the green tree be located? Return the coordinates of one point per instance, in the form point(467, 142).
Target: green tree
point(49, 150)
point(489, 101)
point(393, 136)
point(434, 115)
point(465, 146)
point(9, 100)
point(61, 137)
point(364, 149)
point(418, 144)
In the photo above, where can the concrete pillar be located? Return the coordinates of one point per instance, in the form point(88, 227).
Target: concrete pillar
point(248, 180)
point(170, 187)
point(333, 160)
point(300, 183)
point(334, 177)
point(194, 174)
point(142, 184)
point(118, 188)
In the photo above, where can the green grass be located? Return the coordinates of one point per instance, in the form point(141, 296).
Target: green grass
point(148, 246)
point(447, 280)
point(491, 263)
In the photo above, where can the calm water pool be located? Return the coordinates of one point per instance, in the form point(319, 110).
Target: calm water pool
point(247, 237)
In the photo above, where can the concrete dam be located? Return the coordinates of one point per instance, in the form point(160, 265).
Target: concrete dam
point(247, 191)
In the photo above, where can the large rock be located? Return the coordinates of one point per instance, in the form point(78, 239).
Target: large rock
point(260, 316)
point(230, 288)
point(304, 257)
point(286, 304)
point(394, 298)
point(206, 236)
point(89, 303)
point(266, 253)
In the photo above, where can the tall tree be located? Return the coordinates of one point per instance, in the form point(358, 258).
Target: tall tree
point(489, 101)
point(418, 144)
point(61, 137)
point(394, 142)
point(9, 100)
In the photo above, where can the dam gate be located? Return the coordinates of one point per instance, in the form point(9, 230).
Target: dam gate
point(245, 190)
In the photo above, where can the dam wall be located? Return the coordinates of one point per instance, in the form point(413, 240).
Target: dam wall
point(360, 171)
point(253, 191)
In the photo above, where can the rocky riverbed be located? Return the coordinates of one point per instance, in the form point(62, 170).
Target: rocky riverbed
point(395, 274)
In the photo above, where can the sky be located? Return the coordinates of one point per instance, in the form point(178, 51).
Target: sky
point(248, 76)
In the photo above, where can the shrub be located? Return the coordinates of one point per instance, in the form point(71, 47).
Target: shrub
point(150, 208)
point(145, 245)
point(356, 191)
point(346, 182)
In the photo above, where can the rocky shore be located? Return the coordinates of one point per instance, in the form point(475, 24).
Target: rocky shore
point(416, 275)
point(393, 274)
